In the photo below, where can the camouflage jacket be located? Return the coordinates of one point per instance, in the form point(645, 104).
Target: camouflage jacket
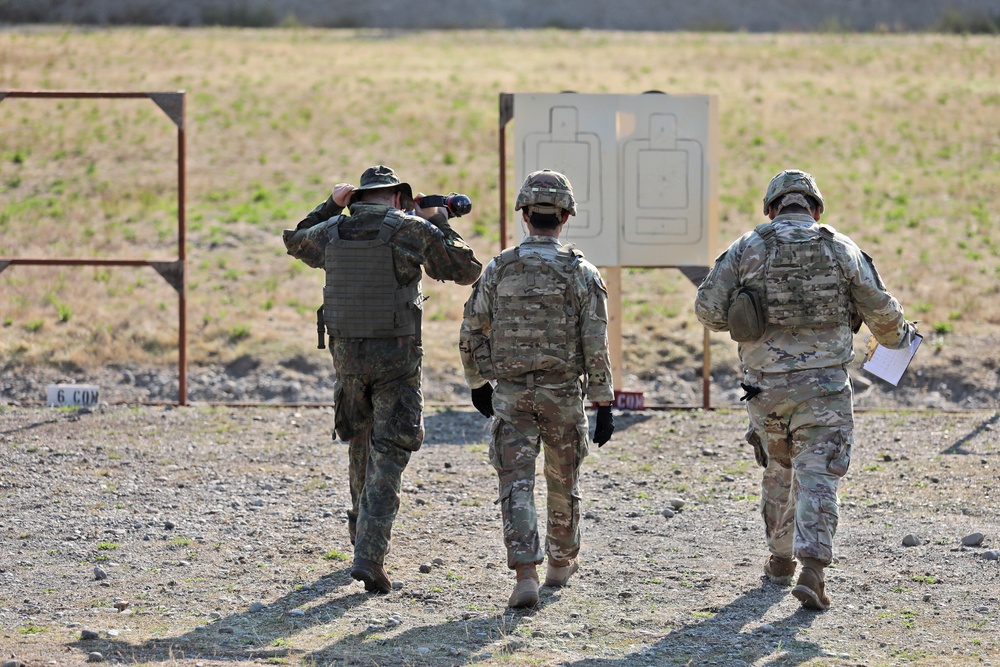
point(589, 292)
point(782, 350)
point(432, 244)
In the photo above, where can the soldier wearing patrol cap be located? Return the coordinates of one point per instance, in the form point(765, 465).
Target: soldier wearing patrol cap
point(536, 325)
point(371, 311)
point(793, 292)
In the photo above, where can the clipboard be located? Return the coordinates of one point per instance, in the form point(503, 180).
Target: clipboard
point(888, 364)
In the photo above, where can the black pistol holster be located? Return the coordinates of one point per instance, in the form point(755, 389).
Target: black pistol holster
point(320, 330)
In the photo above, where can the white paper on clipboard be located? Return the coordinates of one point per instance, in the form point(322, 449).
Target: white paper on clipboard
point(890, 364)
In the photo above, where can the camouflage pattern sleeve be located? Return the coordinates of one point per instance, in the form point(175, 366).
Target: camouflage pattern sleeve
point(308, 244)
point(444, 253)
point(711, 305)
point(309, 238)
point(594, 334)
point(321, 213)
point(880, 310)
point(474, 336)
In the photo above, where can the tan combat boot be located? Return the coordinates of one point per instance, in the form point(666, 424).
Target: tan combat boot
point(558, 572)
point(526, 589)
point(779, 570)
point(810, 589)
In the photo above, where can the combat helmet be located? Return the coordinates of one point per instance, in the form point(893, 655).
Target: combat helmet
point(792, 180)
point(546, 188)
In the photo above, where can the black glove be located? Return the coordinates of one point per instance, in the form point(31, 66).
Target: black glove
point(482, 398)
point(605, 425)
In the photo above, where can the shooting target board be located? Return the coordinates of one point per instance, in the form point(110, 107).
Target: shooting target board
point(644, 170)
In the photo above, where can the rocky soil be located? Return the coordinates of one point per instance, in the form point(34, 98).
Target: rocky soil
point(949, 372)
point(214, 535)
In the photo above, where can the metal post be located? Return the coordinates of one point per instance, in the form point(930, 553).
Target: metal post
point(173, 271)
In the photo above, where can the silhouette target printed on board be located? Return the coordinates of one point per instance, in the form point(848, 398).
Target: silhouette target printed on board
point(662, 186)
point(577, 155)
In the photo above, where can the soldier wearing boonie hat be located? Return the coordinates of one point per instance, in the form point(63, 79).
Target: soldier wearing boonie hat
point(374, 259)
point(793, 292)
point(381, 177)
point(536, 325)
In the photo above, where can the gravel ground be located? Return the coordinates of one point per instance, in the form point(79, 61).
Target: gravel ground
point(216, 535)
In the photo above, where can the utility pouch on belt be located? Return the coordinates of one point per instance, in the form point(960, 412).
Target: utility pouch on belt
point(746, 316)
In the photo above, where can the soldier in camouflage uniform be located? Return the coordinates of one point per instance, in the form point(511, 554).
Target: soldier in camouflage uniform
point(536, 324)
point(371, 311)
point(806, 288)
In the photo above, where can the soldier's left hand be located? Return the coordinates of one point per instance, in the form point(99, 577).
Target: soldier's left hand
point(605, 427)
point(427, 213)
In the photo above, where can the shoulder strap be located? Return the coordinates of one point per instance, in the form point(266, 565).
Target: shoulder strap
point(766, 231)
point(827, 231)
point(334, 229)
point(574, 254)
point(502, 261)
point(508, 256)
point(390, 225)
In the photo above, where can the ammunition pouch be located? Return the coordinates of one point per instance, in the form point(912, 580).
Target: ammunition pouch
point(746, 317)
point(856, 320)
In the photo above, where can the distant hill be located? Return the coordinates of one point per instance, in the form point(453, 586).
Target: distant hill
point(716, 15)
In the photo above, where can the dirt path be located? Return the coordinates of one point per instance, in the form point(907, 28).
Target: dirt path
point(222, 535)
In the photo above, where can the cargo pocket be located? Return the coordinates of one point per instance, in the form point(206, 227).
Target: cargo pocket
point(759, 453)
point(825, 530)
point(583, 444)
point(341, 424)
point(840, 456)
point(505, 513)
point(406, 428)
point(496, 460)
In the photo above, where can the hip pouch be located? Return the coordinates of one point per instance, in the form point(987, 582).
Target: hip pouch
point(746, 316)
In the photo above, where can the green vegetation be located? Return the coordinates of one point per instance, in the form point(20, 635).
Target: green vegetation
point(906, 155)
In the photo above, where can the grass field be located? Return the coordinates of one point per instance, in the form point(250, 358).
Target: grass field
point(900, 130)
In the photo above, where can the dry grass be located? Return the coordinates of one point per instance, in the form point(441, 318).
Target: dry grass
point(900, 131)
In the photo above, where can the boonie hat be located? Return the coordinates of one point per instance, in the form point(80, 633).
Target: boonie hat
point(381, 176)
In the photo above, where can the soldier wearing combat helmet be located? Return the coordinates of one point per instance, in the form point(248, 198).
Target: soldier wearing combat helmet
point(373, 259)
point(793, 292)
point(536, 326)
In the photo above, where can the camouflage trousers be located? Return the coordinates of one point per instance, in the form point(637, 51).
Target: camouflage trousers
point(379, 412)
point(528, 418)
point(804, 422)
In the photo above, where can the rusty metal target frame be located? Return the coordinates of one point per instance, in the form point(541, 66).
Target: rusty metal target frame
point(174, 271)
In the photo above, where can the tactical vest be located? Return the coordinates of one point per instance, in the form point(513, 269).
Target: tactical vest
point(534, 328)
point(805, 286)
point(362, 298)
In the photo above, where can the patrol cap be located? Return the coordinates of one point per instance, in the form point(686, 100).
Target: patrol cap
point(792, 180)
point(381, 176)
point(546, 189)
